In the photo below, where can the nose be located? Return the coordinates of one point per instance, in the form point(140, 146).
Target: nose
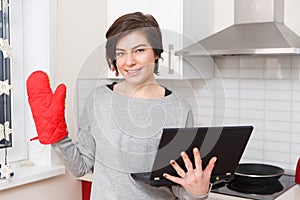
point(130, 60)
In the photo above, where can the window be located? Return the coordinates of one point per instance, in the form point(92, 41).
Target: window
point(30, 36)
point(12, 105)
point(32, 39)
point(5, 78)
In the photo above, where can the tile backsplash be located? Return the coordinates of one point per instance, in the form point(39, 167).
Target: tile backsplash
point(263, 91)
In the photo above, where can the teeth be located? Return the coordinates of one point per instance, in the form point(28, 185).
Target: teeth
point(132, 70)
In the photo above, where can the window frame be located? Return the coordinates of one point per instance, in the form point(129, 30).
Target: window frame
point(35, 36)
point(5, 99)
point(33, 28)
point(18, 151)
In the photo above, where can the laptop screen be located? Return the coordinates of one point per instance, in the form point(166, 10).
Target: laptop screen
point(226, 143)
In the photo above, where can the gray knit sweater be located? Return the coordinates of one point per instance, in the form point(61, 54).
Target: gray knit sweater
point(119, 135)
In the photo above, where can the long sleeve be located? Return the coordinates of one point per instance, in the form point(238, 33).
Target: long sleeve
point(119, 135)
point(79, 157)
point(182, 194)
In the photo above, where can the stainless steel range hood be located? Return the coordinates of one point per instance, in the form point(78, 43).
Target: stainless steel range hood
point(259, 29)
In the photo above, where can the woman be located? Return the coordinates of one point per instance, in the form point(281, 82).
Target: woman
point(121, 124)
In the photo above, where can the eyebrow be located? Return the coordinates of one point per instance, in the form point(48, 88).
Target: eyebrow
point(137, 46)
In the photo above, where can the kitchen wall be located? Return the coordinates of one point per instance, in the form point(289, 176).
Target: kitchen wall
point(259, 90)
point(59, 188)
point(263, 91)
point(80, 27)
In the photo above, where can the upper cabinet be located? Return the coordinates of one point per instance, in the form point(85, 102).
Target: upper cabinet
point(182, 23)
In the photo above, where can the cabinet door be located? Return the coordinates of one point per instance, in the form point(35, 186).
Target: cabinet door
point(168, 14)
point(86, 189)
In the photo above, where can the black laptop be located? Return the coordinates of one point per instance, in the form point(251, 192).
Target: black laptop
point(226, 143)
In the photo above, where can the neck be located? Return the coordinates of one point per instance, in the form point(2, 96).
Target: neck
point(149, 90)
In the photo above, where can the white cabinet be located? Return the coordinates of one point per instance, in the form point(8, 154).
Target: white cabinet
point(182, 22)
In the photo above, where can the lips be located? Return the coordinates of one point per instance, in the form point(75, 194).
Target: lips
point(133, 72)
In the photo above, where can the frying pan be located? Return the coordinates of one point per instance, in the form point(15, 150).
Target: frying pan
point(253, 173)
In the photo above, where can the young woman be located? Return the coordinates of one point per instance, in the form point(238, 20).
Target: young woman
point(121, 124)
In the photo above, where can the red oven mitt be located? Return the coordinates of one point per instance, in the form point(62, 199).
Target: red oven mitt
point(47, 108)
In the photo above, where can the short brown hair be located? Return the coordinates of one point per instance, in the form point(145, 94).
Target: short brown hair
point(128, 23)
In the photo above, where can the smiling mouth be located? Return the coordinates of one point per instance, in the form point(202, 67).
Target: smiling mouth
point(133, 72)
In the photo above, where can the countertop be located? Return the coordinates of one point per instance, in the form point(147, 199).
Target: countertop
point(292, 194)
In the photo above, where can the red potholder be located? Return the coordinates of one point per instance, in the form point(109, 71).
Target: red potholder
point(47, 108)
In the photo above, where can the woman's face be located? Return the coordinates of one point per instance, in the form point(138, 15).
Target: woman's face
point(135, 58)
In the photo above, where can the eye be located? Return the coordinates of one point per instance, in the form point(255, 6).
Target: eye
point(119, 54)
point(139, 50)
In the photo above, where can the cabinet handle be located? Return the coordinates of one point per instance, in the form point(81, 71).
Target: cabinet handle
point(171, 49)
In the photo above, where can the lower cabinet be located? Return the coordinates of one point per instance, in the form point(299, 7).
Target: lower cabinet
point(86, 189)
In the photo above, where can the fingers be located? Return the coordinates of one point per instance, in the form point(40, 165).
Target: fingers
point(177, 168)
point(209, 168)
point(191, 172)
point(173, 178)
point(187, 162)
point(197, 158)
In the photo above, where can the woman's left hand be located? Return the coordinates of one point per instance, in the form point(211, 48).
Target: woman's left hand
point(195, 181)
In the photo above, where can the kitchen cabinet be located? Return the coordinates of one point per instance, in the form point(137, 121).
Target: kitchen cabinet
point(86, 187)
point(182, 23)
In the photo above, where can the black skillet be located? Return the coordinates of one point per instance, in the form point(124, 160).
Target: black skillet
point(252, 173)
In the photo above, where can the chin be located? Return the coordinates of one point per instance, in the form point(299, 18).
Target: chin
point(137, 80)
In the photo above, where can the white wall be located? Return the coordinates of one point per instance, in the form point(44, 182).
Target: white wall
point(80, 29)
point(81, 26)
point(262, 91)
point(58, 188)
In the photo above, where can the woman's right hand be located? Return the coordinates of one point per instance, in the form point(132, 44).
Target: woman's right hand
point(195, 181)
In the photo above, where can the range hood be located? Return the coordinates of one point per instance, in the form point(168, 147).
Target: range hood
point(258, 29)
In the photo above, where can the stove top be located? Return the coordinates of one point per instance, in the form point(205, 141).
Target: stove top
point(267, 192)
